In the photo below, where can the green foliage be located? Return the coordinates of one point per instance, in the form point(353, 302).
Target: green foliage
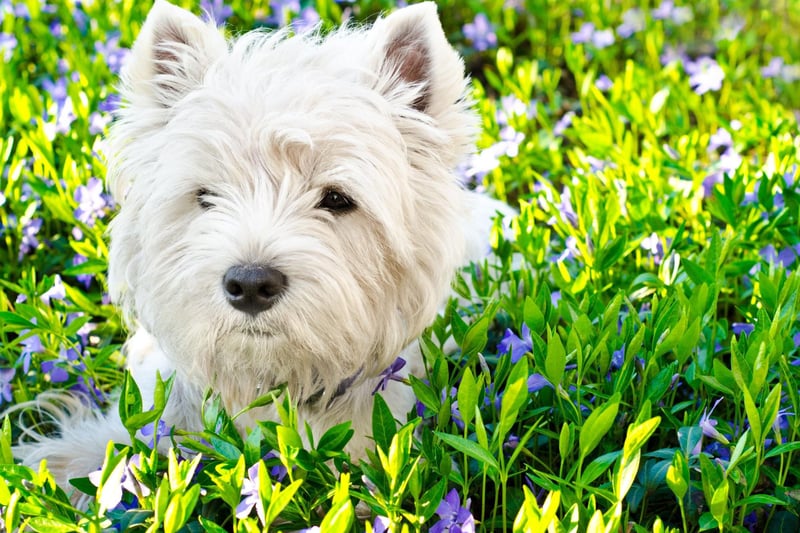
point(632, 343)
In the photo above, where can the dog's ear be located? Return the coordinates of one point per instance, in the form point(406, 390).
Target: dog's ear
point(170, 56)
point(413, 54)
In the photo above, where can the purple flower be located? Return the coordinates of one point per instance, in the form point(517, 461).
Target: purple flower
point(511, 106)
point(739, 328)
point(29, 243)
point(632, 22)
point(773, 68)
point(98, 122)
point(307, 20)
point(123, 477)
point(785, 258)
point(570, 250)
point(603, 83)
point(720, 139)
point(83, 279)
point(6, 376)
point(155, 433)
point(705, 75)
point(56, 292)
point(480, 33)
point(250, 497)
point(454, 518)
point(537, 382)
point(584, 33)
point(603, 38)
point(618, 358)
point(709, 426)
point(674, 54)
point(654, 248)
point(668, 11)
point(92, 203)
point(380, 525)
point(110, 104)
point(514, 345)
point(55, 373)
point(729, 27)
point(30, 345)
point(390, 374)
point(216, 10)
point(57, 90)
point(281, 11)
point(563, 123)
point(8, 43)
point(589, 34)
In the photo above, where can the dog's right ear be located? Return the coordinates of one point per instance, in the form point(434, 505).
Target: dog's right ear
point(170, 56)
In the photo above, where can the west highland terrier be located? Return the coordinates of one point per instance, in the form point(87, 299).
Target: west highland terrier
point(289, 214)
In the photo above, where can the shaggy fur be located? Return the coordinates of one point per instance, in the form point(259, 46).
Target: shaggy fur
point(222, 155)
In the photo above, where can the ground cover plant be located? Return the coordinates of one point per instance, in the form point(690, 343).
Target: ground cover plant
point(627, 360)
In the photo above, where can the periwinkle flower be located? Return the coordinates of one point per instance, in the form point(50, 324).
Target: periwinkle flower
point(709, 425)
point(83, 279)
point(98, 122)
point(563, 123)
point(92, 202)
point(390, 374)
point(250, 497)
point(380, 524)
point(306, 21)
point(742, 328)
point(652, 244)
point(721, 139)
point(56, 292)
point(281, 11)
point(54, 372)
point(729, 27)
point(588, 33)
point(216, 10)
point(480, 33)
point(454, 517)
point(6, 376)
point(29, 242)
point(514, 345)
point(633, 21)
point(8, 43)
point(155, 432)
point(604, 83)
point(57, 90)
point(123, 477)
point(537, 382)
point(668, 11)
point(705, 75)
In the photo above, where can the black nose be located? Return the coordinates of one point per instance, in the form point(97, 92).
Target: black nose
point(253, 288)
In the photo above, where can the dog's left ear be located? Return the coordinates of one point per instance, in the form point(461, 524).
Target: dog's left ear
point(414, 55)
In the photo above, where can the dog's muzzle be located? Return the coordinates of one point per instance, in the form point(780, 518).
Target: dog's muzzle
point(253, 288)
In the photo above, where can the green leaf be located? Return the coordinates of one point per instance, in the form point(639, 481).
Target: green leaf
point(467, 396)
point(514, 397)
point(476, 336)
point(470, 449)
point(678, 475)
point(384, 426)
point(556, 360)
point(336, 438)
point(533, 316)
point(597, 425)
point(598, 467)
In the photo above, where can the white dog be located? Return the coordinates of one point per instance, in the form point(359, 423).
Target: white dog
point(289, 214)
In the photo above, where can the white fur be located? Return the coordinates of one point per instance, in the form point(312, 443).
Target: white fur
point(267, 123)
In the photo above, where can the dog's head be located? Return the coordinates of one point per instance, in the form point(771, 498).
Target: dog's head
point(287, 202)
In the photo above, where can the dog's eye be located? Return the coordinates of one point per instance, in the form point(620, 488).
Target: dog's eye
point(336, 202)
point(204, 197)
